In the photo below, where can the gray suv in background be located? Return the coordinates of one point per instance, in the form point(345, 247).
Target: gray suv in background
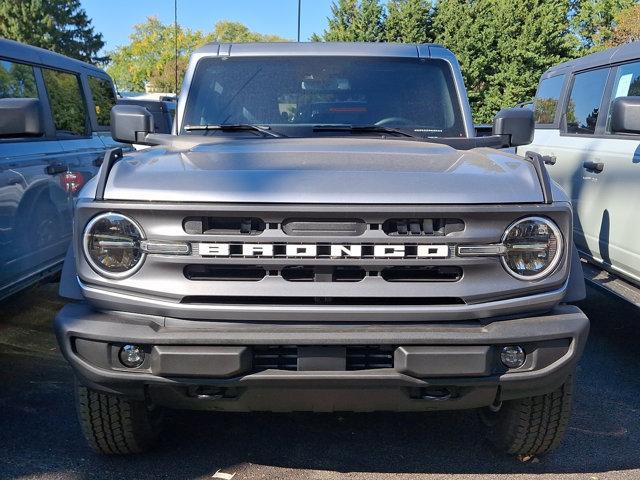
point(324, 232)
point(54, 130)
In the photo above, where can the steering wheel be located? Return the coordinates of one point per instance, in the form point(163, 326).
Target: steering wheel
point(388, 120)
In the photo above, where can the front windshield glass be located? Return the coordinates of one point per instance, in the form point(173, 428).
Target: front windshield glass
point(415, 95)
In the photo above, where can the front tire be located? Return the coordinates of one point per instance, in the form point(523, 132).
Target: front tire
point(115, 425)
point(530, 426)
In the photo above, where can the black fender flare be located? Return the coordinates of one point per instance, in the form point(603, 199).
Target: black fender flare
point(576, 289)
point(69, 286)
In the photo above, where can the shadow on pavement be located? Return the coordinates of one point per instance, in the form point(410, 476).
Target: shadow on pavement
point(40, 437)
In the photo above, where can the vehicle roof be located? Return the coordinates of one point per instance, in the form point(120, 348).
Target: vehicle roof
point(10, 49)
point(623, 53)
point(377, 49)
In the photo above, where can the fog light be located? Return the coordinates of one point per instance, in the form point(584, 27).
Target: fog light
point(131, 356)
point(512, 356)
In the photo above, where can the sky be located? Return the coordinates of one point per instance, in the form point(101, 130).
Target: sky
point(115, 18)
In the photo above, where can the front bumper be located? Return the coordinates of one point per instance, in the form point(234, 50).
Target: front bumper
point(212, 365)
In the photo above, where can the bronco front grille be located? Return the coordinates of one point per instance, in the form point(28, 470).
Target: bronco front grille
point(325, 263)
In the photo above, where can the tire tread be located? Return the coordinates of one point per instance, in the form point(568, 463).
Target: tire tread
point(114, 425)
point(533, 425)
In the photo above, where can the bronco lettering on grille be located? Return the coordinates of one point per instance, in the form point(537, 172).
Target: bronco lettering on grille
point(267, 250)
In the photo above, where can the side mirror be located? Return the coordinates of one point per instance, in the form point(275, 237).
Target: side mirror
point(20, 117)
point(130, 123)
point(515, 125)
point(625, 115)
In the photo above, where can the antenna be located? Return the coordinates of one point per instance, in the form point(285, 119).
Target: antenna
point(299, 2)
point(175, 35)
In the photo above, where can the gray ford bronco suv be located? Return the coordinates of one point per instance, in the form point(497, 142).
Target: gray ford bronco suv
point(323, 231)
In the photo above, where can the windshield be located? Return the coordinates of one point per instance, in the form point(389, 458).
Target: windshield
point(415, 95)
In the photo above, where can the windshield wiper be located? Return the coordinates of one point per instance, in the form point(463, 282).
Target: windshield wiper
point(362, 129)
point(234, 127)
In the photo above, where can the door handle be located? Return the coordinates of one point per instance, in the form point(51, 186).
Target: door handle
point(55, 169)
point(596, 167)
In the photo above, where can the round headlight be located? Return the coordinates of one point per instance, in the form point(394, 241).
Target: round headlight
point(112, 245)
point(533, 248)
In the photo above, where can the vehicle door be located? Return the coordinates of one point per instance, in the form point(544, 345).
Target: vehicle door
point(611, 193)
point(31, 198)
point(547, 113)
point(571, 139)
point(580, 128)
point(74, 125)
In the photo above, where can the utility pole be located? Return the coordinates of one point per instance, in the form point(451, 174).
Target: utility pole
point(299, 2)
point(175, 39)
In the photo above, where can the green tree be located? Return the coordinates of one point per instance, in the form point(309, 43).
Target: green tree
point(354, 21)
point(228, 31)
point(150, 56)
point(504, 46)
point(531, 38)
point(627, 27)
point(466, 28)
point(340, 26)
point(594, 22)
point(369, 21)
point(58, 25)
point(409, 21)
point(149, 59)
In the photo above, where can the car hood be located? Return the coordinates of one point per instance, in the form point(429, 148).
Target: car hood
point(324, 170)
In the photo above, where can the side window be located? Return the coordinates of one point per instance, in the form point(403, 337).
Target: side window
point(627, 84)
point(67, 104)
point(103, 99)
point(584, 103)
point(546, 101)
point(17, 80)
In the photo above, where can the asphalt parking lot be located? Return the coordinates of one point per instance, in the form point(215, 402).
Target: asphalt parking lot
point(40, 438)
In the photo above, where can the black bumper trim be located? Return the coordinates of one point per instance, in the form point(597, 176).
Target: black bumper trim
point(563, 322)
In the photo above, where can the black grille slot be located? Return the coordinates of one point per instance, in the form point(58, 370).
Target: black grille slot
point(348, 274)
point(299, 273)
point(223, 225)
point(422, 274)
point(369, 357)
point(324, 227)
point(422, 226)
point(275, 301)
point(226, 273)
point(275, 357)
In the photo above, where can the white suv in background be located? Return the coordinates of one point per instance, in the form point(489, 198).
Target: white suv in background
point(588, 125)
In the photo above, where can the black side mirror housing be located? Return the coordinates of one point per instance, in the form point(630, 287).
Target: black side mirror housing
point(20, 117)
point(625, 115)
point(131, 123)
point(515, 125)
